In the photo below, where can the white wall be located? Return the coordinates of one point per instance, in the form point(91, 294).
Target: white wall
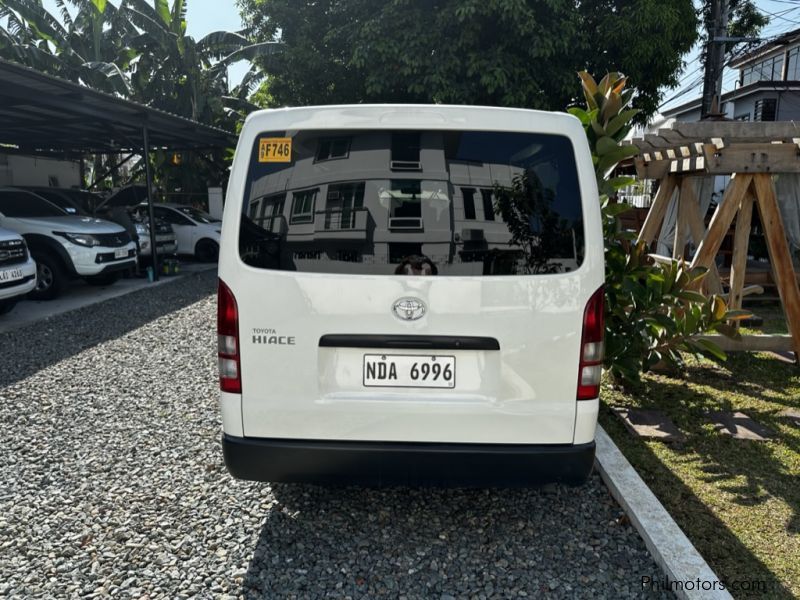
point(30, 170)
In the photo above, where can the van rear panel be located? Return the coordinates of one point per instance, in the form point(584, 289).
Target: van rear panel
point(411, 274)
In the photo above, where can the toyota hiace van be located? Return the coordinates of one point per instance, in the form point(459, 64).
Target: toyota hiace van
point(411, 295)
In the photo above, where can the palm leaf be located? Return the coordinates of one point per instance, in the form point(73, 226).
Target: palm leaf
point(251, 52)
point(218, 44)
point(39, 20)
point(162, 10)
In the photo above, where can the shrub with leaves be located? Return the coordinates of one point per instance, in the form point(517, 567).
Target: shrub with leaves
point(652, 312)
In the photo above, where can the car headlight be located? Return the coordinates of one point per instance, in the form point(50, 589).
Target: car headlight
point(81, 239)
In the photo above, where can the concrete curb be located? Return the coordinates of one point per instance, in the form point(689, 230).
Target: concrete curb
point(681, 563)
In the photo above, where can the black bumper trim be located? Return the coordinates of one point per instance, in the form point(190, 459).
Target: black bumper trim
point(125, 263)
point(401, 463)
point(409, 342)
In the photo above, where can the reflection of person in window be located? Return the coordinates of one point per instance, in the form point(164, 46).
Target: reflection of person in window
point(416, 265)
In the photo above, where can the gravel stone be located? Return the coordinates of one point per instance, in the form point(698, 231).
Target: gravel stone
point(113, 486)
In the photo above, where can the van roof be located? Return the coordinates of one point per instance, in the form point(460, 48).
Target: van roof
point(415, 116)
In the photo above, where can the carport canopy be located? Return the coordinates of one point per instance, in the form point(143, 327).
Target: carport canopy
point(45, 115)
point(42, 114)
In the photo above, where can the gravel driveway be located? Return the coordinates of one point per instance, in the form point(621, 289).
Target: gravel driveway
point(113, 484)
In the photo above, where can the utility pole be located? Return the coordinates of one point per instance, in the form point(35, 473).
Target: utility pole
point(715, 55)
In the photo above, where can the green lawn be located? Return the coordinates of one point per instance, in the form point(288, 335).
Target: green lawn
point(737, 500)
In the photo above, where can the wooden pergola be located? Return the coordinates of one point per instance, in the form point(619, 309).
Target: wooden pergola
point(750, 153)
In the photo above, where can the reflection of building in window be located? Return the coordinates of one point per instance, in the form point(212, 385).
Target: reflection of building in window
point(400, 250)
point(330, 148)
point(405, 151)
point(469, 203)
point(343, 201)
point(373, 215)
point(488, 205)
point(270, 217)
point(303, 206)
point(405, 211)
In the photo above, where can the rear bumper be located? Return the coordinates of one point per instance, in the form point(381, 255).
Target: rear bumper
point(400, 463)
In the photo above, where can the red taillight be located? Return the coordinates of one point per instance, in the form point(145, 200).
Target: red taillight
point(591, 363)
point(230, 376)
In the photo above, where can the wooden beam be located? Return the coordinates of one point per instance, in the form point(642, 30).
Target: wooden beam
point(731, 131)
point(651, 169)
point(751, 343)
point(685, 197)
point(779, 256)
point(752, 158)
point(741, 240)
point(655, 216)
point(697, 230)
point(721, 221)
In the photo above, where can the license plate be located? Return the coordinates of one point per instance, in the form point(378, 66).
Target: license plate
point(121, 253)
point(10, 275)
point(409, 370)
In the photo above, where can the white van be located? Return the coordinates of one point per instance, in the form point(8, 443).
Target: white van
point(411, 295)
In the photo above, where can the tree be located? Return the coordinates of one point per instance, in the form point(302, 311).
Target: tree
point(495, 52)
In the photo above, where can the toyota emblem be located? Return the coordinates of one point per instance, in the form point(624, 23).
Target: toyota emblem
point(408, 309)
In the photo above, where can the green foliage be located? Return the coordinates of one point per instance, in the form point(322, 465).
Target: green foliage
point(653, 311)
point(491, 52)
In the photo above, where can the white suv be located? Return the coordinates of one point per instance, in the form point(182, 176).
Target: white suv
point(65, 246)
point(17, 270)
point(197, 232)
point(411, 294)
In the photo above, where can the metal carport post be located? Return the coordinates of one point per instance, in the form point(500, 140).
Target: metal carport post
point(149, 182)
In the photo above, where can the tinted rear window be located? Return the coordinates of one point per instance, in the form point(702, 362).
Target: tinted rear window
point(412, 203)
point(18, 204)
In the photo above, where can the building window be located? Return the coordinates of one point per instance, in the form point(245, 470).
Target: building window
point(469, 203)
point(769, 69)
point(405, 211)
point(303, 206)
point(744, 117)
point(401, 250)
point(330, 148)
point(342, 202)
point(765, 109)
point(405, 151)
point(793, 65)
point(271, 212)
point(488, 205)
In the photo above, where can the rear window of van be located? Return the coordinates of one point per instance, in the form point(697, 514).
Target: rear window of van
point(445, 203)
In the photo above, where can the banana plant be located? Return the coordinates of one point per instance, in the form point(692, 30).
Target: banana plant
point(82, 49)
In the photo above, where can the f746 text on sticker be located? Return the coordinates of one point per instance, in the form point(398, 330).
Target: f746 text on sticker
point(275, 150)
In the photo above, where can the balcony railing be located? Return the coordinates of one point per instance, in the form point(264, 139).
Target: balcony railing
point(341, 223)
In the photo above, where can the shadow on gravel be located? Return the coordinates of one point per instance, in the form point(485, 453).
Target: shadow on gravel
point(33, 348)
point(555, 541)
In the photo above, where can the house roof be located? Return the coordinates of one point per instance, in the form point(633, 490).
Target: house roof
point(44, 114)
point(740, 92)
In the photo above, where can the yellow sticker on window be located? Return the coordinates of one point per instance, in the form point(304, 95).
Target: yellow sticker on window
point(275, 150)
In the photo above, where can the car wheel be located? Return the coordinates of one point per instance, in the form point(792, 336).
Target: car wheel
point(104, 278)
point(7, 305)
point(50, 277)
point(206, 251)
